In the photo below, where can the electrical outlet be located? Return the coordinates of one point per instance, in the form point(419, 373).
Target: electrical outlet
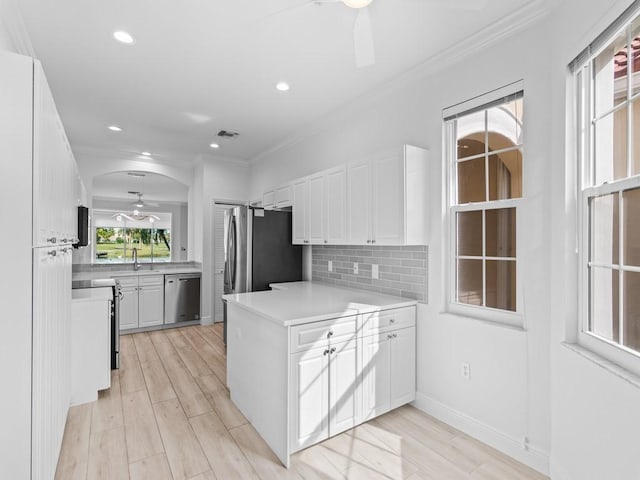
point(375, 273)
point(465, 371)
point(355, 268)
point(330, 266)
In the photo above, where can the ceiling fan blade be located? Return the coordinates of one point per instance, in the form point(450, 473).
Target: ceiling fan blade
point(363, 39)
point(460, 4)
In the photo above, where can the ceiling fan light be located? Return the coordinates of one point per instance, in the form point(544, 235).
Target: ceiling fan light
point(139, 204)
point(356, 3)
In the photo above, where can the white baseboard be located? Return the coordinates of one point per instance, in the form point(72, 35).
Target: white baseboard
point(532, 457)
point(206, 320)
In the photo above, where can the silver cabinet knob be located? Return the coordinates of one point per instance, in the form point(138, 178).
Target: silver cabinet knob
point(326, 352)
point(326, 241)
point(368, 241)
point(53, 253)
point(333, 350)
point(392, 320)
point(51, 240)
point(373, 241)
point(330, 333)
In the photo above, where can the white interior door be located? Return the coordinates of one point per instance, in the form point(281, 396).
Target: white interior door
point(218, 261)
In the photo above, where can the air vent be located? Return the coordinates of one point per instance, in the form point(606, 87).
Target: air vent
point(227, 134)
point(134, 193)
point(136, 174)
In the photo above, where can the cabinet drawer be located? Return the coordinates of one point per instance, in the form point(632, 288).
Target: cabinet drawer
point(127, 281)
point(377, 322)
point(317, 334)
point(151, 280)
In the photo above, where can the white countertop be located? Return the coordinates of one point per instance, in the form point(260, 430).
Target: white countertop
point(302, 302)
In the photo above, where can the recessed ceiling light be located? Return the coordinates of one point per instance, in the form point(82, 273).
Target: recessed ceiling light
point(115, 128)
point(123, 37)
point(214, 145)
point(283, 86)
point(146, 154)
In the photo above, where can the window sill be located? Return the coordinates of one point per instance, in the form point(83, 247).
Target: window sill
point(602, 362)
point(498, 318)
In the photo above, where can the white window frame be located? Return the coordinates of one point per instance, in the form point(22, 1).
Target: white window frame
point(584, 94)
point(488, 314)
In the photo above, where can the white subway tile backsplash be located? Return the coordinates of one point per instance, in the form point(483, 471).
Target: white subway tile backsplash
point(402, 270)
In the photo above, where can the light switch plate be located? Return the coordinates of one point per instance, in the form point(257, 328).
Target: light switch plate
point(375, 274)
point(355, 268)
point(330, 266)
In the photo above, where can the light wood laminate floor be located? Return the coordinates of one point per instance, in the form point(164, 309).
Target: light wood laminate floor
point(168, 416)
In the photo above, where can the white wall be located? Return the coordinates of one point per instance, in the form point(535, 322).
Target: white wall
point(579, 420)
point(222, 179)
point(7, 13)
point(595, 413)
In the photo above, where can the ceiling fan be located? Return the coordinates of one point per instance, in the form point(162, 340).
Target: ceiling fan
point(140, 203)
point(363, 44)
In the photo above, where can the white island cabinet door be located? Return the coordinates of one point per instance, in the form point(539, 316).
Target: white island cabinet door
point(309, 398)
point(128, 308)
point(388, 200)
point(343, 387)
point(403, 366)
point(359, 203)
point(376, 375)
point(151, 305)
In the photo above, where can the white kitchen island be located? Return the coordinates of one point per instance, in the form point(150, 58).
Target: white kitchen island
point(306, 361)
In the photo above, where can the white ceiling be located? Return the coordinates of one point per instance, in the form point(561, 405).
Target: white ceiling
point(154, 187)
point(199, 66)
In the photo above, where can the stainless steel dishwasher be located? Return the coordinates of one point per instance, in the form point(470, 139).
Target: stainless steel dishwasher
point(181, 298)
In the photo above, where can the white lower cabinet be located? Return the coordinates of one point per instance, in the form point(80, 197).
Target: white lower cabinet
point(340, 378)
point(141, 302)
point(388, 371)
point(325, 396)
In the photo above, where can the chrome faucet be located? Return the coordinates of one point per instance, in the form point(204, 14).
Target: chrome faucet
point(136, 264)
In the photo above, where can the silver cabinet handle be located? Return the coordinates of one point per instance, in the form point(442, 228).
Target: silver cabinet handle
point(368, 241)
point(395, 335)
point(65, 240)
point(330, 333)
point(389, 336)
point(326, 241)
point(333, 350)
point(373, 241)
point(392, 320)
point(326, 352)
point(53, 253)
point(51, 240)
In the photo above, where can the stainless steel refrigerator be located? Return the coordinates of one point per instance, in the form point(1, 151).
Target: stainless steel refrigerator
point(258, 251)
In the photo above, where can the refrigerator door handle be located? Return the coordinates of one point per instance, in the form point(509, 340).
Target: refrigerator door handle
point(232, 253)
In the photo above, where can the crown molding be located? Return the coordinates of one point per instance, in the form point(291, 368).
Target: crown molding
point(503, 28)
point(209, 158)
point(14, 24)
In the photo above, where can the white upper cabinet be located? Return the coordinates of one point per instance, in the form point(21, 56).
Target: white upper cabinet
point(54, 171)
point(325, 213)
point(359, 203)
point(315, 209)
point(335, 206)
point(280, 197)
point(378, 201)
point(388, 198)
point(299, 212)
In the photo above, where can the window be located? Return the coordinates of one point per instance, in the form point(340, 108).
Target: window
point(485, 156)
point(116, 234)
point(608, 120)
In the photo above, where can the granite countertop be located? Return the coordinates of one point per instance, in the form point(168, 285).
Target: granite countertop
point(303, 302)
